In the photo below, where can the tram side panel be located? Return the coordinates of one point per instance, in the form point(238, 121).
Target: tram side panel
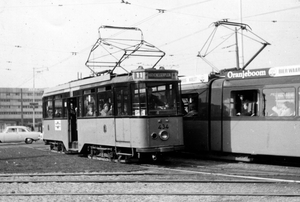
point(56, 130)
point(259, 134)
point(262, 137)
point(99, 131)
point(216, 113)
point(130, 133)
point(196, 127)
point(196, 135)
point(282, 137)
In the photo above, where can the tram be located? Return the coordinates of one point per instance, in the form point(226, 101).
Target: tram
point(252, 112)
point(116, 116)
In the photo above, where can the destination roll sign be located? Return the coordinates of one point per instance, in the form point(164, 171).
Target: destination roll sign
point(151, 73)
point(263, 73)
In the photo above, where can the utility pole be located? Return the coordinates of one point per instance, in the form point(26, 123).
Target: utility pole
point(22, 117)
point(33, 106)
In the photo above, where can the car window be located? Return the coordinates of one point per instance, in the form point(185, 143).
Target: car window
point(22, 130)
point(11, 130)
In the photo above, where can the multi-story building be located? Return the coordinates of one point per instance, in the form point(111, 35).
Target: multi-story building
point(16, 107)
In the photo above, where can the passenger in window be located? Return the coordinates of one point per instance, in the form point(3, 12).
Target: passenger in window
point(184, 108)
point(49, 113)
point(246, 109)
point(271, 108)
point(106, 110)
point(154, 101)
point(57, 113)
point(90, 110)
point(100, 107)
point(287, 109)
point(193, 111)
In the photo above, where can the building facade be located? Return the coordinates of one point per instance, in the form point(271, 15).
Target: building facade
point(16, 107)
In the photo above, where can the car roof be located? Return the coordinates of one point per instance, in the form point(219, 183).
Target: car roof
point(16, 127)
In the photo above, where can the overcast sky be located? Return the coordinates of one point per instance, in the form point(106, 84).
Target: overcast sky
point(54, 38)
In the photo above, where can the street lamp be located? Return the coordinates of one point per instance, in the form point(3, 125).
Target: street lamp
point(33, 97)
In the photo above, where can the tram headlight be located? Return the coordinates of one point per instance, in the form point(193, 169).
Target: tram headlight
point(164, 135)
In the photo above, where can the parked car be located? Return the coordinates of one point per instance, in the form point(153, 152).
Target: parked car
point(19, 134)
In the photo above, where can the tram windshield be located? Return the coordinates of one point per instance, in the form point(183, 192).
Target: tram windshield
point(155, 99)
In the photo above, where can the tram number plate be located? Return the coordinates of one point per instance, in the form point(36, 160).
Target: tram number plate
point(163, 126)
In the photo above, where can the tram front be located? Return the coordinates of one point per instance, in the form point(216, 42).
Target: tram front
point(156, 111)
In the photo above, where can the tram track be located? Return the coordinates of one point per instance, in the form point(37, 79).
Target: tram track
point(154, 194)
point(142, 184)
point(246, 174)
point(185, 180)
point(140, 181)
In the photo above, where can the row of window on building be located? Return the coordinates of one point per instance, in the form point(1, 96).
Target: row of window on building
point(19, 94)
point(14, 113)
point(20, 100)
point(16, 106)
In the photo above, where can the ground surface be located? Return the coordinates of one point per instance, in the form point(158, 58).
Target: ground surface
point(36, 158)
point(21, 158)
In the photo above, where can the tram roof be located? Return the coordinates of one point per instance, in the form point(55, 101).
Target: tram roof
point(150, 74)
point(263, 76)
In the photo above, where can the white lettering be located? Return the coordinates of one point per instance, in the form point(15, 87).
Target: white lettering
point(246, 74)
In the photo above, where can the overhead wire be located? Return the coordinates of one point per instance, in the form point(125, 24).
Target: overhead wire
point(135, 24)
point(60, 5)
point(169, 10)
point(271, 12)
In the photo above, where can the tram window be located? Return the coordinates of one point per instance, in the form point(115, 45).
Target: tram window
point(190, 105)
point(78, 104)
point(105, 105)
point(279, 102)
point(122, 100)
point(64, 115)
point(162, 98)
point(244, 103)
point(58, 106)
point(89, 105)
point(48, 107)
point(139, 99)
point(79, 111)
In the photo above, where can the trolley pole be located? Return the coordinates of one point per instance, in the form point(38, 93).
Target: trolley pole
point(237, 50)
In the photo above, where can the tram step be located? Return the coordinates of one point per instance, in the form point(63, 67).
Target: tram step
point(124, 154)
point(103, 149)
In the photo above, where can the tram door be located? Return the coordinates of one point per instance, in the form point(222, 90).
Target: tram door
point(122, 123)
point(72, 123)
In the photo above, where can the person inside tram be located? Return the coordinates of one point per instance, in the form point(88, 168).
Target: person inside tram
point(270, 107)
point(57, 112)
point(246, 109)
point(287, 109)
point(89, 110)
point(106, 110)
point(154, 101)
point(192, 111)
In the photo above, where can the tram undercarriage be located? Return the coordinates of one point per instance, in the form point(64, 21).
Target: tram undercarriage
point(120, 155)
point(106, 153)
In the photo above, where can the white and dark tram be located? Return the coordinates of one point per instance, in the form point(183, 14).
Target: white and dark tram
point(253, 112)
point(116, 116)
